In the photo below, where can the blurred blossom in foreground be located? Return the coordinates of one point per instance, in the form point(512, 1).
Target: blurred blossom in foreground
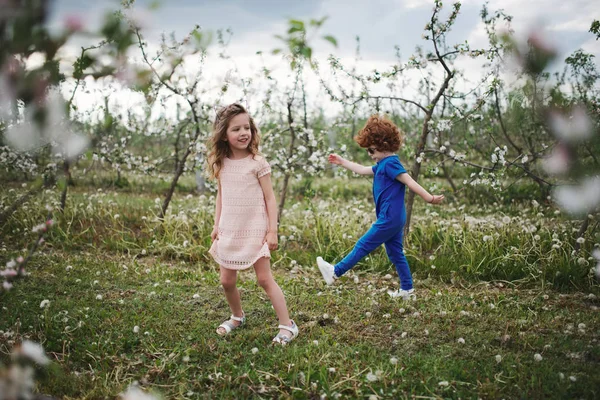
point(575, 127)
point(29, 135)
point(6, 100)
point(558, 162)
point(579, 199)
point(33, 351)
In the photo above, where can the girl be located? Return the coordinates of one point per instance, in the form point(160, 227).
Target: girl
point(245, 227)
point(382, 139)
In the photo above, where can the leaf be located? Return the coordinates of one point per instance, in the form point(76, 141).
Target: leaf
point(297, 24)
point(306, 52)
point(276, 51)
point(331, 40)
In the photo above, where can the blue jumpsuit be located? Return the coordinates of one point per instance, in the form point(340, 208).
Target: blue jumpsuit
point(389, 227)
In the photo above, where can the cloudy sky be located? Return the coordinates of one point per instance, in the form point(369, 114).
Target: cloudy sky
point(380, 24)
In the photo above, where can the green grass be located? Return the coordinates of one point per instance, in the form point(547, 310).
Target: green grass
point(512, 294)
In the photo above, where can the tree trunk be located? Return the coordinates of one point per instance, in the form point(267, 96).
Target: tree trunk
point(286, 178)
point(415, 172)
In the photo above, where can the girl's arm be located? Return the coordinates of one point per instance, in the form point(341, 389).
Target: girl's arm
point(418, 189)
point(215, 230)
point(352, 166)
point(271, 203)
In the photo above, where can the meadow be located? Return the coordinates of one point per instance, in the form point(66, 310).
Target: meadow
point(507, 302)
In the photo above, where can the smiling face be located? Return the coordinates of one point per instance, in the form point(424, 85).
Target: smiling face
point(239, 133)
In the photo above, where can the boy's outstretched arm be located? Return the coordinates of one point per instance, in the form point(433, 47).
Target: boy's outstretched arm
point(418, 189)
point(352, 166)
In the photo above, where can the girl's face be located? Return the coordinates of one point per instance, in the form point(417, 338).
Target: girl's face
point(239, 134)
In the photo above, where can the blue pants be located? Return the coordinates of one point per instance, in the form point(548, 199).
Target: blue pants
point(383, 231)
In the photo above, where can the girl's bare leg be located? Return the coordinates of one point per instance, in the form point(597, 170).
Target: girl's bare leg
point(265, 279)
point(229, 283)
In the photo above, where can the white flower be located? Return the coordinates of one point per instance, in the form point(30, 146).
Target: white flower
point(316, 342)
point(331, 369)
point(135, 393)
point(444, 383)
point(580, 240)
point(368, 314)
point(506, 219)
point(461, 340)
point(144, 252)
point(371, 377)
point(99, 297)
point(573, 378)
point(196, 296)
point(136, 329)
point(186, 359)
point(69, 267)
point(498, 358)
point(393, 361)
point(44, 303)
point(537, 357)
point(254, 350)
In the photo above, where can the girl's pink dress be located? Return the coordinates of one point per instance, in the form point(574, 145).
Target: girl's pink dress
point(244, 221)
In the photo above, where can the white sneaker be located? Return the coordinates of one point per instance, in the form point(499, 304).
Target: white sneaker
point(404, 294)
point(326, 270)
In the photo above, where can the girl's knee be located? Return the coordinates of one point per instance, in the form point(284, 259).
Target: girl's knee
point(265, 282)
point(228, 283)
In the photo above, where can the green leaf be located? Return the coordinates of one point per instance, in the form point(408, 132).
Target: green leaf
point(297, 24)
point(276, 51)
point(306, 52)
point(331, 40)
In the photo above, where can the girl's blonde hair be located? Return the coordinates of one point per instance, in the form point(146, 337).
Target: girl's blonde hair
point(218, 147)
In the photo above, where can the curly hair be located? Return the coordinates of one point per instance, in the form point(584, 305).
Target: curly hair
point(218, 148)
point(380, 133)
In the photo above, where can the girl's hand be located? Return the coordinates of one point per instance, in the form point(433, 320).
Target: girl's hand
point(214, 234)
point(335, 159)
point(437, 199)
point(271, 240)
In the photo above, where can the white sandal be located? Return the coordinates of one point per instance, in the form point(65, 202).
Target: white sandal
point(229, 325)
point(284, 339)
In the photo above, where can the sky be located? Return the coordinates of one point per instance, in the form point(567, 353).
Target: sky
point(382, 25)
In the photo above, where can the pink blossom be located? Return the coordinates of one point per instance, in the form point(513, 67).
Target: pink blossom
point(73, 23)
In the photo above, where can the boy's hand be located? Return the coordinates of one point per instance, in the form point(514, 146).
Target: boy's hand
point(214, 234)
point(335, 159)
point(437, 199)
point(271, 240)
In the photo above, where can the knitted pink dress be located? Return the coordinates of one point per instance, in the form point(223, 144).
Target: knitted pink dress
point(244, 221)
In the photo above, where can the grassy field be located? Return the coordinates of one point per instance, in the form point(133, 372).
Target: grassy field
point(507, 304)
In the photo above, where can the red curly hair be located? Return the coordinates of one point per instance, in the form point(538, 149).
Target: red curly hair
point(380, 133)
